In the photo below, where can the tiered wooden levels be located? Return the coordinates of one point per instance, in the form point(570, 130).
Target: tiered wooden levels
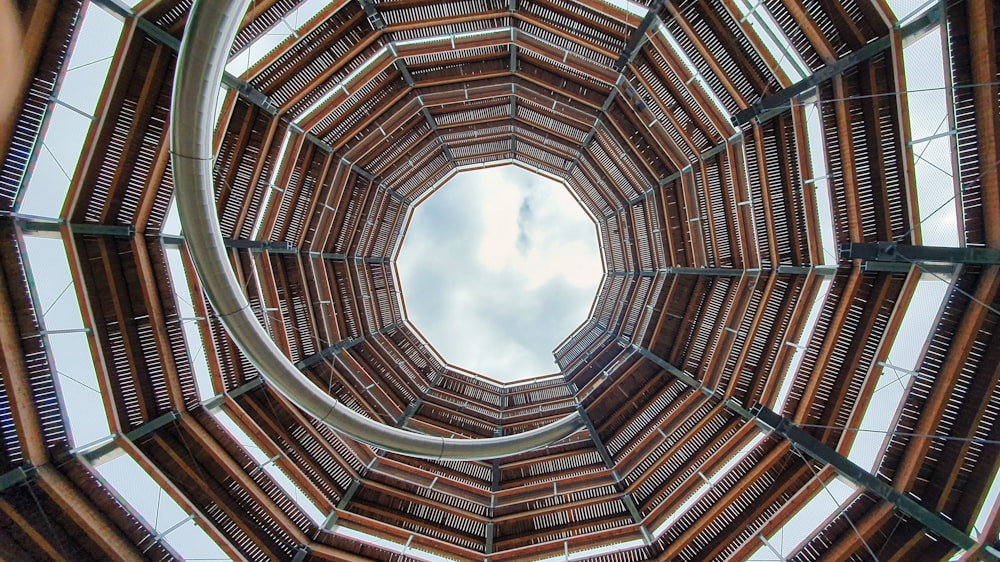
point(709, 232)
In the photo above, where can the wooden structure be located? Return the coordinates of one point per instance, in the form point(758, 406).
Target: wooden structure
point(676, 132)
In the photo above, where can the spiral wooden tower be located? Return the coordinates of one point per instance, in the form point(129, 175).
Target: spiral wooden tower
point(731, 355)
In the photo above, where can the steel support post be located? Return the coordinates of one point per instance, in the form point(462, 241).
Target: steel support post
point(891, 252)
point(779, 102)
point(328, 352)
point(811, 446)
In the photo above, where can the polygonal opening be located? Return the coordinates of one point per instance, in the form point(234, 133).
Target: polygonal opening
point(497, 267)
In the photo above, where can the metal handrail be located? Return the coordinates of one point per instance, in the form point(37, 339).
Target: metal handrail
point(212, 25)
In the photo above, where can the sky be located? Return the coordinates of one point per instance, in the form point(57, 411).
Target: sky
point(497, 267)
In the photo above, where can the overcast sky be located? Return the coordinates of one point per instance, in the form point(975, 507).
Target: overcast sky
point(497, 268)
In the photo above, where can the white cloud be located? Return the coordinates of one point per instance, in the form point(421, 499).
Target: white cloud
point(497, 268)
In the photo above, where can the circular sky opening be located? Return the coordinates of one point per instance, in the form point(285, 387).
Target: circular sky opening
point(497, 267)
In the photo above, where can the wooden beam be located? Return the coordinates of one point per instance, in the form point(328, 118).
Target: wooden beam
point(86, 515)
point(944, 382)
point(983, 54)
